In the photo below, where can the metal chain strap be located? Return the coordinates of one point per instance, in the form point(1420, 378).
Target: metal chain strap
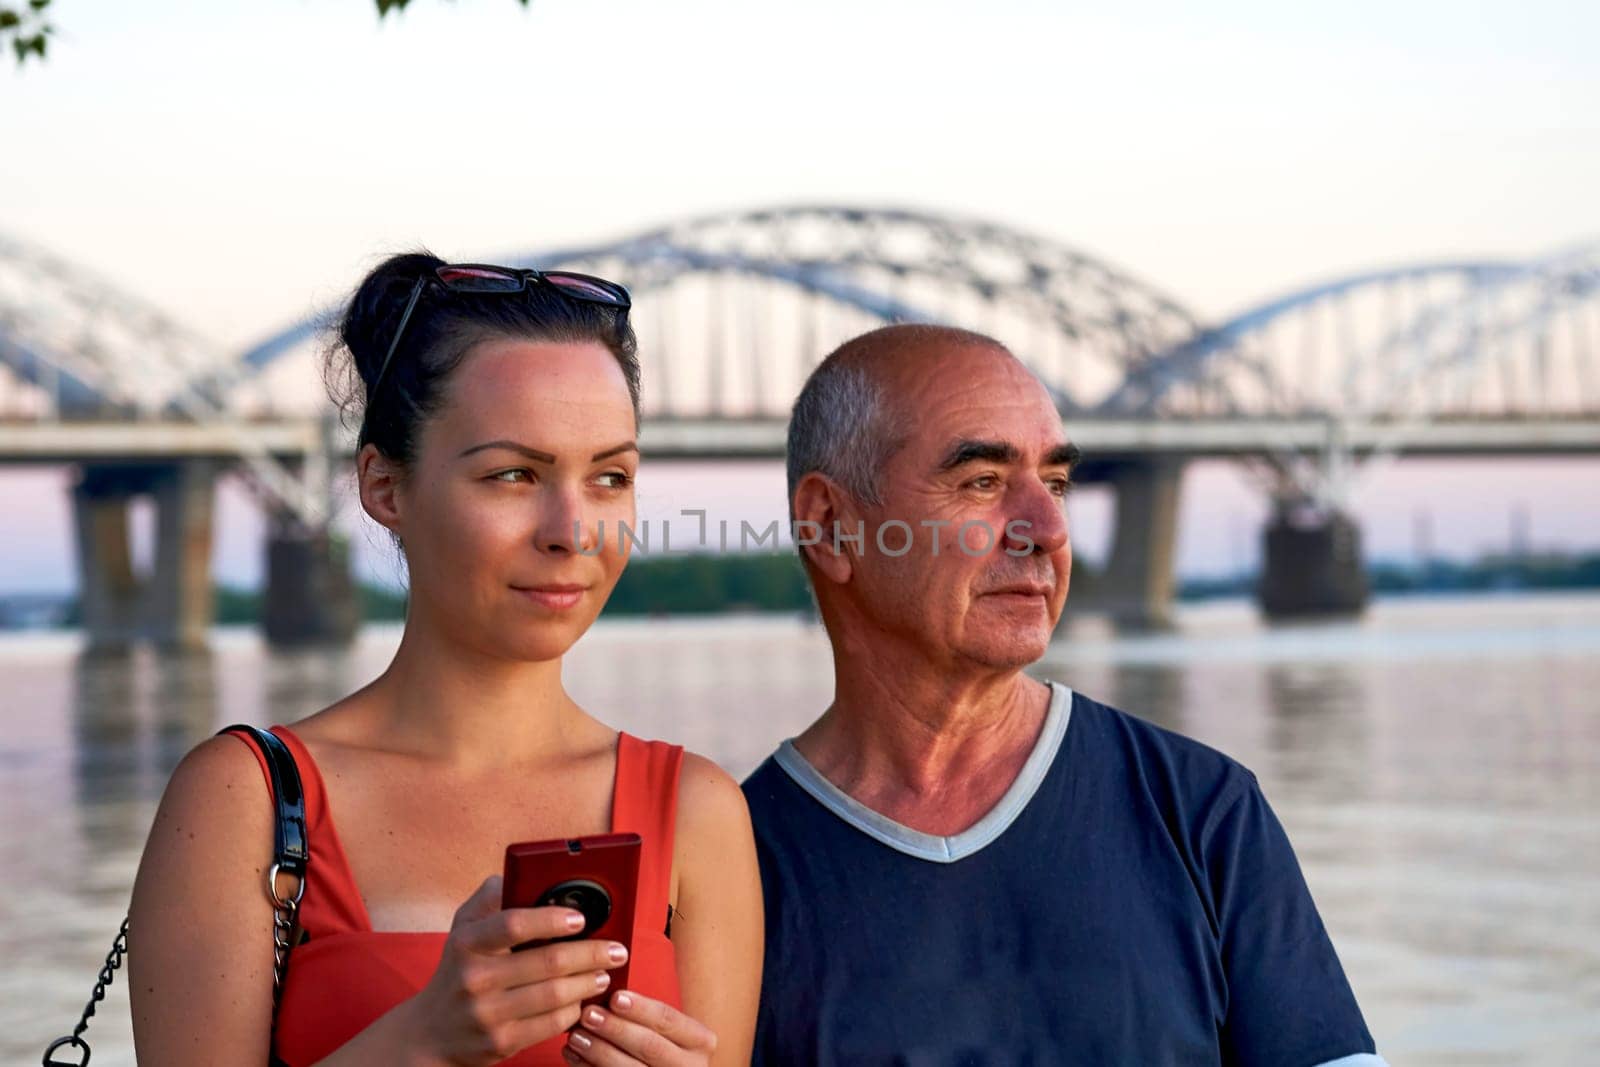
point(285, 910)
point(119, 949)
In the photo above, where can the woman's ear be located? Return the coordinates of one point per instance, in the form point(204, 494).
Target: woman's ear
point(378, 479)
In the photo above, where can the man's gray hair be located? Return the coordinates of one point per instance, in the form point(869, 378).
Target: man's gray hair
point(844, 426)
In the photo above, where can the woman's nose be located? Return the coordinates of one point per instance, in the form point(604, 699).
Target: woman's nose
point(563, 526)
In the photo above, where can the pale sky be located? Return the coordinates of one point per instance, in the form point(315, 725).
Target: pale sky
point(238, 164)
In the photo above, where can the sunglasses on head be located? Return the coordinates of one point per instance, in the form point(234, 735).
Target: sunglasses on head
point(480, 279)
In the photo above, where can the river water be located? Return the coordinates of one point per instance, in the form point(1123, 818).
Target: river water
point(1437, 766)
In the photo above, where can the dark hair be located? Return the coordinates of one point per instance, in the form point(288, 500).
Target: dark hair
point(443, 326)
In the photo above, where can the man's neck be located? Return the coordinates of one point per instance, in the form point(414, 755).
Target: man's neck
point(933, 751)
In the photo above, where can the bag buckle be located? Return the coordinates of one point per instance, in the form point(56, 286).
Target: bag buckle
point(67, 1042)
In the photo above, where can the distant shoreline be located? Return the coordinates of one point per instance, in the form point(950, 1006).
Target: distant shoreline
point(774, 584)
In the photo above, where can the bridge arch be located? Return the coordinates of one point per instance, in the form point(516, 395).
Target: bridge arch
point(1078, 321)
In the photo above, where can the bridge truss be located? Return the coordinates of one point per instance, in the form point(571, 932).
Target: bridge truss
point(76, 346)
point(733, 310)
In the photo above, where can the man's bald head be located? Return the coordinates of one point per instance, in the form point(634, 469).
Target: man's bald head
point(847, 421)
point(907, 345)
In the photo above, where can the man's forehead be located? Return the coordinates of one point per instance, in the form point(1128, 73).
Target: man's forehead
point(990, 396)
point(955, 375)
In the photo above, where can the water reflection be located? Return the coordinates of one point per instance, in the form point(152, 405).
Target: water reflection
point(299, 682)
point(1317, 728)
point(184, 705)
point(134, 715)
point(1153, 691)
point(1437, 768)
point(105, 726)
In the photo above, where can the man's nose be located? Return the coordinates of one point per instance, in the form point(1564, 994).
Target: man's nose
point(1039, 520)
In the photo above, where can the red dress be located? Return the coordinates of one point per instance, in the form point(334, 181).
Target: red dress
point(344, 975)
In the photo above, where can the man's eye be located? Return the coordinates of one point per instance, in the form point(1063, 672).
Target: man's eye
point(985, 481)
point(1061, 486)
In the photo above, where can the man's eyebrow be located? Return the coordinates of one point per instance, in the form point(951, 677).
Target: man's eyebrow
point(1066, 455)
point(545, 457)
point(970, 450)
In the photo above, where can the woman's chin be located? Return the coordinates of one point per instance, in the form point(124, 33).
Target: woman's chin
point(546, 639)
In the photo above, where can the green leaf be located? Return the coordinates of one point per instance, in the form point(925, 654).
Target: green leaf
point(38, 5)
point(9, 19)
point(23, 45)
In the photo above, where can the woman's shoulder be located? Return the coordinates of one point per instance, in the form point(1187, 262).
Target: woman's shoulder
point(222, 770)
point(710, 802)
point(228, 772)
point(215, 816)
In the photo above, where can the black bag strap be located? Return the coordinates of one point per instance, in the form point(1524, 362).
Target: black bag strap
point(290, 855)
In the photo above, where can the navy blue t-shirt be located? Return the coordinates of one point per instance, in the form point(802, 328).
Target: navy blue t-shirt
point(1131, 900)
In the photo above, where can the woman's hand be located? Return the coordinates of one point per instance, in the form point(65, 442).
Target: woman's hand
point(485, 1002)
point(639, 1032)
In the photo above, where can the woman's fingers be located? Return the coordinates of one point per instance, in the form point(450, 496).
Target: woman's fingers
point(499, 930)
point(483, 975)
point(664, 1019)
point(584, 1049)
point(558, 960)
point(511, 1038)
point(651, 1033)
point(539, 998)
point(484, 901)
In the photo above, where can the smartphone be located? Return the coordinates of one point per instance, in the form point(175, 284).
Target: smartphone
point(597, 875)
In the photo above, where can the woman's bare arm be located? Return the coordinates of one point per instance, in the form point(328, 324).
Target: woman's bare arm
point(200, 929)
point(717, 929)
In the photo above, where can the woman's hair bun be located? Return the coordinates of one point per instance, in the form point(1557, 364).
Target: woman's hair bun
point(442, 328)
point(370, 319)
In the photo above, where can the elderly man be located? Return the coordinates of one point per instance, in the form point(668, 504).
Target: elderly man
point(964, 865)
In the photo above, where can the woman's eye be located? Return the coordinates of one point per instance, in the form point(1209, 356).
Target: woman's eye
point(616, 480)
point(517, 474)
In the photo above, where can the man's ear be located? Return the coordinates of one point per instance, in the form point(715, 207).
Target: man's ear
point(821, 506)
point(378, 481)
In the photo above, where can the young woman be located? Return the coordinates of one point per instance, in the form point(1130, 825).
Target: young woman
point(499, 417)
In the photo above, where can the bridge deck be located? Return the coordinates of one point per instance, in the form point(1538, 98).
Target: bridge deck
point(758, 438)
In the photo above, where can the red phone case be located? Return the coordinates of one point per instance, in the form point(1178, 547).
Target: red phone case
point(533, 868)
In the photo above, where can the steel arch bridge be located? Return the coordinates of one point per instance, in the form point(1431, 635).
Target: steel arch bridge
point(1394, 349)
point(74, 345)
point(734, 309)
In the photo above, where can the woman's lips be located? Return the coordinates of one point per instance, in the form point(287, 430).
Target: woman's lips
point(553, 597)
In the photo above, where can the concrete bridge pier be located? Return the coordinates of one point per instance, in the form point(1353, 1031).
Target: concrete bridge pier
point(1311, 564)
point(1137, 587)
point(172, 605)
point(109, 593)
point(310, 596)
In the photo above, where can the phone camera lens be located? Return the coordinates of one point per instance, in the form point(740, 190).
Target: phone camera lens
point(584, 896)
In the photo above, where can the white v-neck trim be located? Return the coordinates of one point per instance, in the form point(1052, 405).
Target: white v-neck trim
point(933, 847)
